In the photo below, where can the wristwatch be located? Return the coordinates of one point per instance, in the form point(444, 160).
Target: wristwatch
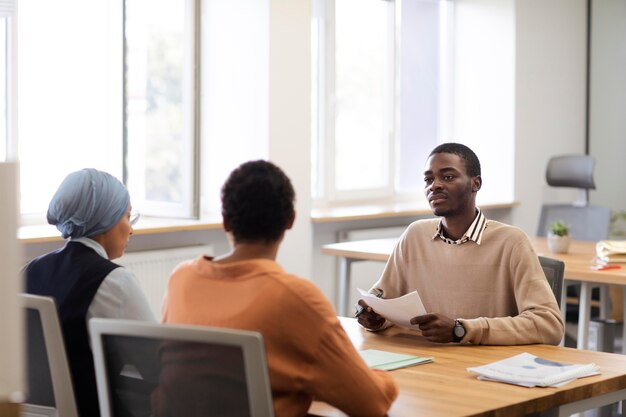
point(458, 331)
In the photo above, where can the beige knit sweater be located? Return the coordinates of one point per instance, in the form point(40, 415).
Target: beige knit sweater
point(497, 288)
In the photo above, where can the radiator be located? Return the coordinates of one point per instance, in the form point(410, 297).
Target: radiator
point(153, 268)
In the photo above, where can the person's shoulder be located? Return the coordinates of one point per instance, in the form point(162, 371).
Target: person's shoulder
point(506, 233)
point(420, 229)
point(298, 284)
point(423, 225)
point(494, 226)
point(304, 293)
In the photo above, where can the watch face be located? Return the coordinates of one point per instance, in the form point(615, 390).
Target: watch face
point(459, 330)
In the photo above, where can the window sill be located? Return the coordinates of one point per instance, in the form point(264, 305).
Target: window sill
point(384, 211)
point(146, 226)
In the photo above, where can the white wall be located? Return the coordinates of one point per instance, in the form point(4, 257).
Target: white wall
point(290, 120)
point(607, 129)
point(549, 98)
point(11, 372)
point(484, 90)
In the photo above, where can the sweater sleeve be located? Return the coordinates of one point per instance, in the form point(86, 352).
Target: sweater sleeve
point(341, 378)
point(539, 319)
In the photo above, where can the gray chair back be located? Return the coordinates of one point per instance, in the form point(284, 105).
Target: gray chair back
point(574, 171)
point(164, 370)
point(50, 389)
point(554, 271)
point(587, 222)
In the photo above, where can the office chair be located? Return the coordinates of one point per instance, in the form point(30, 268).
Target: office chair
point(162, 370)
point(587, 222)
point(554, 271)
point(50, 389)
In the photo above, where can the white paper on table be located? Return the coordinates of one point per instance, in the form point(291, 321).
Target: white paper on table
point(397, 310)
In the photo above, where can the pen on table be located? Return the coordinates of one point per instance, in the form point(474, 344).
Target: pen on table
point(360, 309)
point(604, 267)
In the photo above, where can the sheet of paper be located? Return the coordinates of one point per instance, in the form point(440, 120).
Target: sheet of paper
point(387, 361)
point(529, 370)
point(397, 310)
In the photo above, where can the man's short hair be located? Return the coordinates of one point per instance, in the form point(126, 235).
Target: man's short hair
point(257, 202)
point(472, 164)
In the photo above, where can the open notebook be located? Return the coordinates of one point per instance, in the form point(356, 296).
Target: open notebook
point(532, 371)
point(387, 361)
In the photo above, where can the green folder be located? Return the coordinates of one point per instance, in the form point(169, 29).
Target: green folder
point(386, 361)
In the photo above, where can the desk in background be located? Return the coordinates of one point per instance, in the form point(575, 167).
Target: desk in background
point(445, 388)
point(577, 268)
point(8, 409)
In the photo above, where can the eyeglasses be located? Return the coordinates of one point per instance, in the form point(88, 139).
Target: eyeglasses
point(134, 217)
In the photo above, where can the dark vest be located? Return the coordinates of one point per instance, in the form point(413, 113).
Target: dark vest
point(72, 276)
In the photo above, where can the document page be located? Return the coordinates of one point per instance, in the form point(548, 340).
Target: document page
point(529, 370)
point(397, 310)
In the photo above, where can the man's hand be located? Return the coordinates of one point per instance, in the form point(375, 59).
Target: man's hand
point(435, 327)
point(368, 318)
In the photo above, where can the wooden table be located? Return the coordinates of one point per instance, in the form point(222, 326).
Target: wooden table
point(8, 409)
point(445, 388)
point(578, 261)
point(577, 268)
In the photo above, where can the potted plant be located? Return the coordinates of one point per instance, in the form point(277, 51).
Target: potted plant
point(558, 237)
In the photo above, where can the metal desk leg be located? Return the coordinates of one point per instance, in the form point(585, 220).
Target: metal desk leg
point(584, 314)
point(605, 302)
point(344, 285)
point(624, 333)
point(563, 304)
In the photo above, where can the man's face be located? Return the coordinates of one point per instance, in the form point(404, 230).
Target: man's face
point(448, 188)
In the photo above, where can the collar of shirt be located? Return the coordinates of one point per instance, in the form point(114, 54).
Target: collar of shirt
point(473, 233)
point(93, 245)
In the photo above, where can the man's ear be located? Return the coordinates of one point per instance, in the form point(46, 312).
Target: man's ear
point(292, 220)
point(477, 182)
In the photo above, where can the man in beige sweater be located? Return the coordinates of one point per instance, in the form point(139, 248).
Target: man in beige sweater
point(480, 280)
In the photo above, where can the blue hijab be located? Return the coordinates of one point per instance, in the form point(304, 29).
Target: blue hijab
point(88, 202)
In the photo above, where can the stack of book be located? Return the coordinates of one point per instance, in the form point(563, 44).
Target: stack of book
point(532, 371)
point(611, 251)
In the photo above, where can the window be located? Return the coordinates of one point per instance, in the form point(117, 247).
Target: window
point(160, 125)
point(382, 87)
point(74, 113)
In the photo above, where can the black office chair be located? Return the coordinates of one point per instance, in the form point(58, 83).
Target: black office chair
point(554, 271)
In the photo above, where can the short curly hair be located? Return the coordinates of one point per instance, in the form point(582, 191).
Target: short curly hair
point(257, 202)
point(472, 164)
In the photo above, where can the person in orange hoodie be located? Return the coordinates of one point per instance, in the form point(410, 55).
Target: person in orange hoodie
point(309, 355)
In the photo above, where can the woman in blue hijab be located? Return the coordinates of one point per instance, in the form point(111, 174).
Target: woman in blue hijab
point(91, 208)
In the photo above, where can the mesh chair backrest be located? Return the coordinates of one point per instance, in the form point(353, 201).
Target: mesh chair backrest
point(554, 271)
point(50, 389)
point(148, 369)
point(38, 374)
